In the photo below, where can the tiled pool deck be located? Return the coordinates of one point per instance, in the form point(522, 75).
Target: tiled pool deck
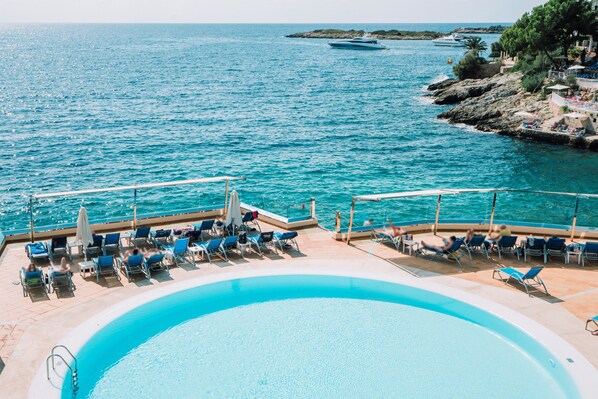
point(31, 326)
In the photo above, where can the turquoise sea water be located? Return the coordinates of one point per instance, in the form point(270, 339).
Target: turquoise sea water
point(313, 337)
point(84, 106)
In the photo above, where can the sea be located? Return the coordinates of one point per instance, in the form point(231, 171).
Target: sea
point(103, 105)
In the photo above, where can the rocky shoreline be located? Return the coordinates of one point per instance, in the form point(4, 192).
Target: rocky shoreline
point(490, 106)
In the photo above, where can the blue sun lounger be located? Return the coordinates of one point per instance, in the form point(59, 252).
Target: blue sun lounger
point(595, 321)
point(507, 245)
point(206, 226)
point(534, 247)
point(531, 279)
point(179, 250)
point(213, 247)
point(133, 265)
point(57, 279)
point(104, 265)
point(454, 253)
point(287, 239)
point(32, 280)
point(59, 246)
point(155, 263)
point(590, 252)
point(37, 250)
point(141, 236)
point(477, 245)
point(161, 237)
point(95, 248)
point(383, 238)
point(556, 247)
point(263, 241)
point(112, 243)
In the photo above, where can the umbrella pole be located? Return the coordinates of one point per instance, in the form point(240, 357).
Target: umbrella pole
point(31, 222)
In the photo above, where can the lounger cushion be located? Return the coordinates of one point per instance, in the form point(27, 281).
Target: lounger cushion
point(37, 248)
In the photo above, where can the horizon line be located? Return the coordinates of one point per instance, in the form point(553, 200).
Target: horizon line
point(235, 23)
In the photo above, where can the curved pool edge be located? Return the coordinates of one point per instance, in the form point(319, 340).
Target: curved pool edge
point(581, 371)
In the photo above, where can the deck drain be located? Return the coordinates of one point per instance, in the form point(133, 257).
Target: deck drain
point(570, 360)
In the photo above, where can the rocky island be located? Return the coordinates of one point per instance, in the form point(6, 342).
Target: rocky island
point(490, 105)
point(392, 34)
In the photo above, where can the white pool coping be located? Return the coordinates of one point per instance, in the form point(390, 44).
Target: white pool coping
point(581, 371)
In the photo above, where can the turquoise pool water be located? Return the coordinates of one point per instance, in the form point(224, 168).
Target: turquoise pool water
point(85, 106)
point(312, 337)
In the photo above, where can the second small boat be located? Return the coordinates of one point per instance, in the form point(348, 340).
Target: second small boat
point(359, 43)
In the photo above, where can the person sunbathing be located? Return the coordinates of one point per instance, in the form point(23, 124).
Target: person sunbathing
point(448, 244)
point(394, 230)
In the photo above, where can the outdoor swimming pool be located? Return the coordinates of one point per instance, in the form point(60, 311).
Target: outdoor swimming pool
point(313, 336)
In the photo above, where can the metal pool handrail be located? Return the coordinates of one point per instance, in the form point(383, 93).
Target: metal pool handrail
point(441, 192)
point(134, 188)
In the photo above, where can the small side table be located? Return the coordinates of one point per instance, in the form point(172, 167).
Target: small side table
point(569, 254)
point(194, 250)
point(75, 244)
point(86, 267)
point(243, 247)
point(410, 244)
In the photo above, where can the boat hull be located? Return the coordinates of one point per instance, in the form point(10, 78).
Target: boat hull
point(357, 46)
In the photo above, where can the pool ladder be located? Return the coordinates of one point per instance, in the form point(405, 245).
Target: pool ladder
point(72, 367)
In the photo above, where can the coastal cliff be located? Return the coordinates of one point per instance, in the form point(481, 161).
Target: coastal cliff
point(490, 104)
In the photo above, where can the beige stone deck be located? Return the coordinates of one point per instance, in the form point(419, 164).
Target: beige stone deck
point(31, 326)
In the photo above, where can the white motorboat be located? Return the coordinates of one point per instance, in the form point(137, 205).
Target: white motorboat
point(450, 41)
point(359, 43)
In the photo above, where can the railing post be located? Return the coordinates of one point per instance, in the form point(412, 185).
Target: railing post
point(31, 222)
point(437, 214)
point(338, 222)
point(492, 213)
point(351, 221)
point(574, 218)
point(225, 197)
point(134, 209)
point(312, 207)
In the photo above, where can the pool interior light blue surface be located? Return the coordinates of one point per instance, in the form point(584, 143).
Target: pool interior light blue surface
point(308, 336)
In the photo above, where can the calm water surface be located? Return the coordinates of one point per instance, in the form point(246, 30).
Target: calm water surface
point(85, 106)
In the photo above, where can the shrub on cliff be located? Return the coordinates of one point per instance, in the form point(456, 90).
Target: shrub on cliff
point(469, 66)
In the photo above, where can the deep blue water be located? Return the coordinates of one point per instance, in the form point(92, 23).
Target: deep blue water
point(85, 106)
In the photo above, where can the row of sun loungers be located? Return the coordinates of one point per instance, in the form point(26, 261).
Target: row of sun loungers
point(178, 245)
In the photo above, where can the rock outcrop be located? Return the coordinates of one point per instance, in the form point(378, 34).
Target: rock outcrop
point(379, 34)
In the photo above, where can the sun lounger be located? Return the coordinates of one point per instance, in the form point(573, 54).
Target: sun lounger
point(556, 247)
point(230, 244)
point(95, 248)
point(37, 250)
point(58, 279)
point(141, 236)
point(263, 241)
point(112, 243)
point(530, 279)
point(59, 246)
point(534, 247)
point(134, 264)
point(32, 280)
point(477, 245)
point(287, 239)
point(161, 237)
point(507, 245)
point(205, 227)
point(593, 320)
point(155, 263)
point(454, 253)
point(212, 247)
point(104, 265)
point(383, 238)
point(179, 250)
point(590, 252)
point(250, 221)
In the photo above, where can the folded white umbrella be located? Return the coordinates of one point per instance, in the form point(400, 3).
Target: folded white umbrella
point(84, 233)
point(233, 215)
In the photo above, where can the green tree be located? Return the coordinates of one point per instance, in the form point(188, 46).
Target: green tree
point(469, 66)
point(496, 49)
point(552, 27)
point(475, 45)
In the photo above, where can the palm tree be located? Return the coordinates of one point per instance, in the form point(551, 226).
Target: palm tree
point(475, 45)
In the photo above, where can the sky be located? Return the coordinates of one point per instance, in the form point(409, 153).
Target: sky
point(264, 11)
